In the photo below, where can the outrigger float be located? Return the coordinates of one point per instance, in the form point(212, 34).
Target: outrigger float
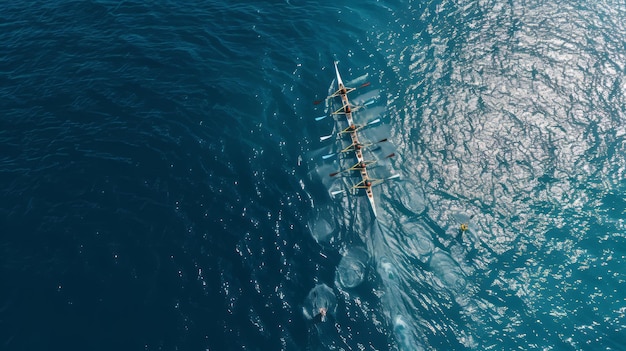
point(356, 146)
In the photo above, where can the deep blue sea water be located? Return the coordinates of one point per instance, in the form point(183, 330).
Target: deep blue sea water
point(163, 189)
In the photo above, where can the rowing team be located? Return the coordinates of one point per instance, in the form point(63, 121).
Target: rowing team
point(361, 165)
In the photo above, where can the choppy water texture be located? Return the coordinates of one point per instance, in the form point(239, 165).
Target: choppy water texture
point(159, 191)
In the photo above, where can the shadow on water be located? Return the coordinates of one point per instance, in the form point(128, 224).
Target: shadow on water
point(352, 268)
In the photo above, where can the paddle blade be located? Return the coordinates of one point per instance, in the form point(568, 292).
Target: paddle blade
point(326, 157)
point(333, 193)
point(320, 118)
point(334, 174)
point(325, 137)
point(377, 120)
point(394, 176)
point(366, 84)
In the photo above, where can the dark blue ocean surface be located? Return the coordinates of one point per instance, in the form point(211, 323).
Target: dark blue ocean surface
point(163, 187)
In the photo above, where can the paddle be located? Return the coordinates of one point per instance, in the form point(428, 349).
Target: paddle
point(317, 102)
point(352, 147)
point(356, 166)
point(337, 192)
point(350, 130)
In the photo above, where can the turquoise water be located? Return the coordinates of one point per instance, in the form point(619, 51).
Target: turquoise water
point(163, 186)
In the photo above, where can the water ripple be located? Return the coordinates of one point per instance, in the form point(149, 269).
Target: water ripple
point(513, 115)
